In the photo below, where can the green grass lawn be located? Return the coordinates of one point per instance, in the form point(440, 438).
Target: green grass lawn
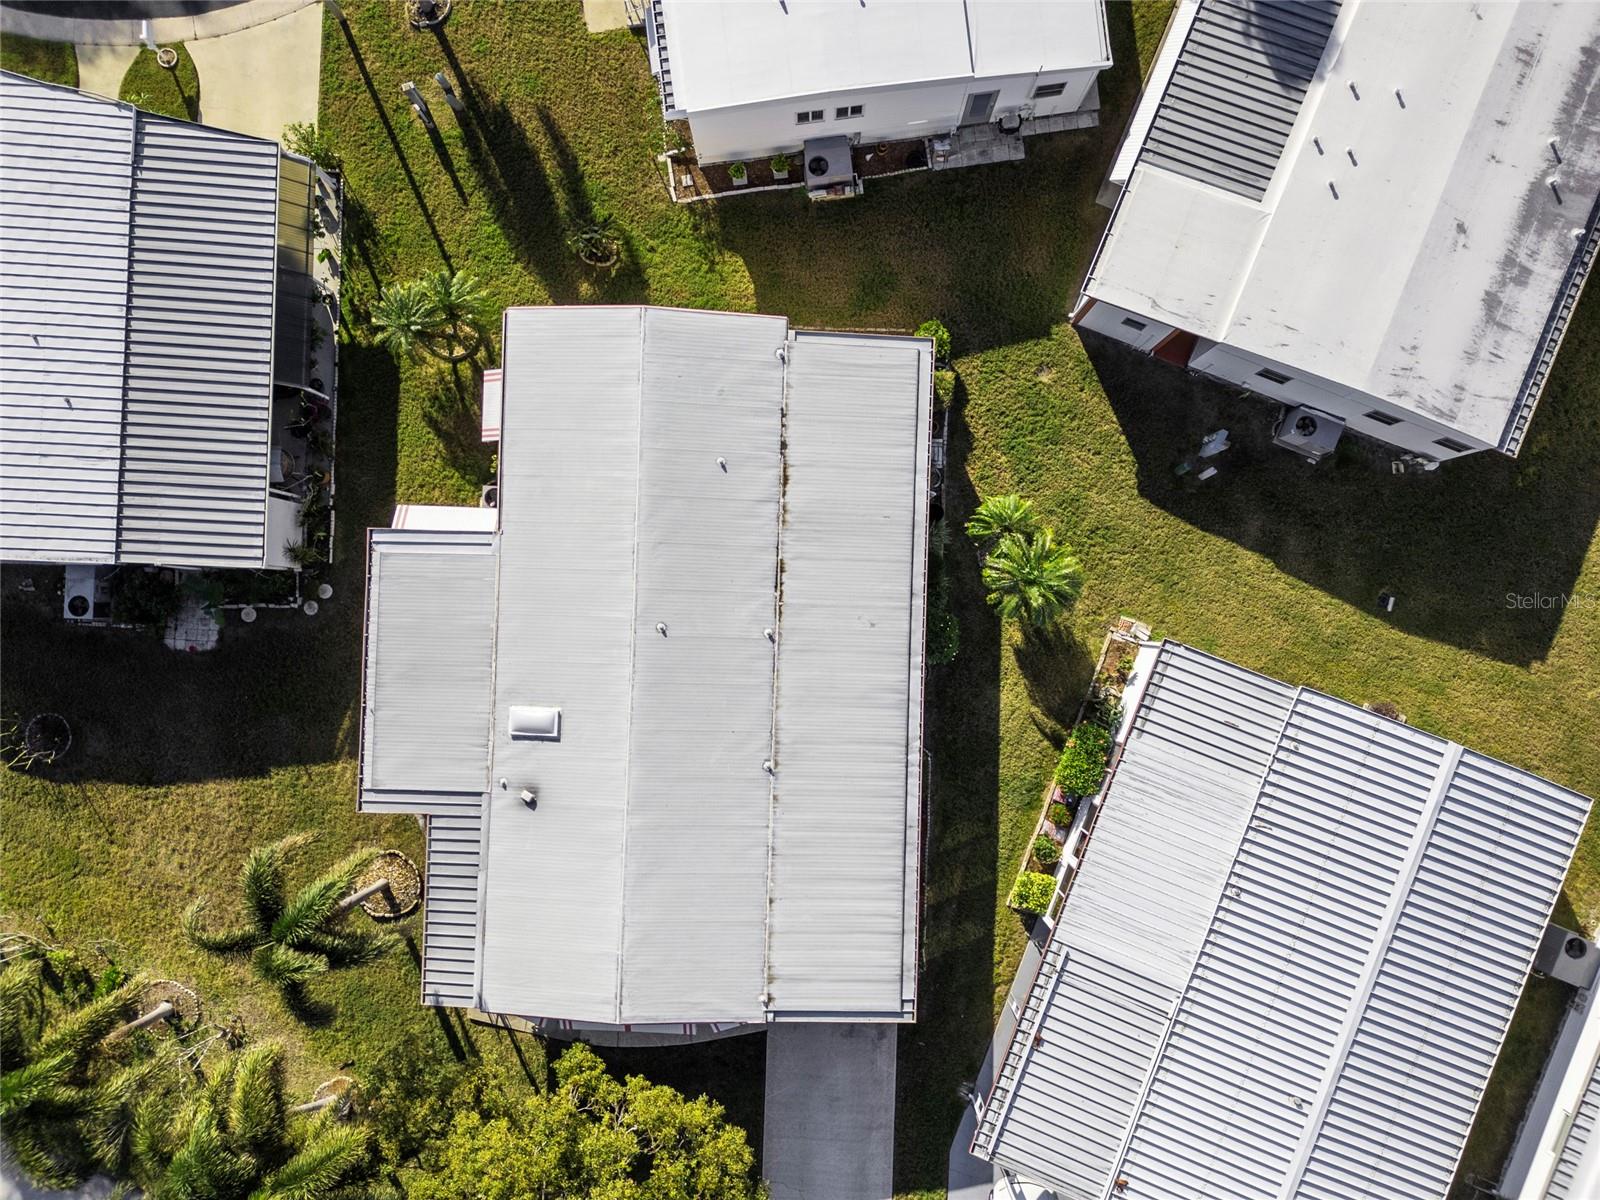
point(53, 62)
point(154, 88)
point(1274, 565)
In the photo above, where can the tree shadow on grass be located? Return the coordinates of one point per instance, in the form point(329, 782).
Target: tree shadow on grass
point(1056, 667)
point(1457, 546)
point(452, 407)
point(955, 1007)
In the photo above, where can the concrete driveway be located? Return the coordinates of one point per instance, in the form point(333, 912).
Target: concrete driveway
point(829, 1127)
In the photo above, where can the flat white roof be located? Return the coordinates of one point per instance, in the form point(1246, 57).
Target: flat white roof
point(1397, 229)
point(731, 52)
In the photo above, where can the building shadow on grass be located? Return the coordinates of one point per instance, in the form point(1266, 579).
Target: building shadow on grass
point(955, 1006)
point(452, 407)
point(277, 693)
point(1480, 554)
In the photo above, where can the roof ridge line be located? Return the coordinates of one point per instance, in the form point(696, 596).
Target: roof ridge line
point(127, 324)
point(1443, 777)
point(777, 632)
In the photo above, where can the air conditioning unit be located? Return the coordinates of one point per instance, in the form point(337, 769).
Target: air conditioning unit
point(1567, 956)
point(828, 168)
point(84, 597)
point(1308, 432)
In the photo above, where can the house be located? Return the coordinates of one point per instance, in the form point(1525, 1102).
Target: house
point(1379, 215)
point(662, 706)
point(1288, 956)
point(803, 76)
point(155, 356)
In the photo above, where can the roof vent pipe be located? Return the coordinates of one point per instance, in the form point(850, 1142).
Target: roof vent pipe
point(661, 628)
point(770, 634)
point(782, 353)
point(767, 767)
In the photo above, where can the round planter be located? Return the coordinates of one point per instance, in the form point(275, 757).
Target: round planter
point(247, 614)
point(167, 57)
point(309, 608)
point(324, 591)
point(405, 885)
point(47, 736)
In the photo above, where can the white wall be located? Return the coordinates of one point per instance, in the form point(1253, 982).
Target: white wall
point(1239, 367)
point(895, 113)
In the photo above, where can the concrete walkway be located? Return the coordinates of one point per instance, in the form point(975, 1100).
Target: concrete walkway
point(101, 68)
point(214, 22)
point(829, 1127)
point(259, 79)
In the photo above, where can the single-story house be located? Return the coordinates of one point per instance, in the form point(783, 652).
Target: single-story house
point(1287, 960)
point(757, 79)
point(157, 285)
point(662, 705)
point(1379, 215)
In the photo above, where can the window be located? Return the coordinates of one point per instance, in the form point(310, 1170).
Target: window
point(1383, 418)
point(1132, 324)
point(1045, 90)
point(845, 111)
point(808, 117)
point(1452, 445)
point(1272, 376)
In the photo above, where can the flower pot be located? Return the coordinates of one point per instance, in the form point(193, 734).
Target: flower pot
point(739, 180)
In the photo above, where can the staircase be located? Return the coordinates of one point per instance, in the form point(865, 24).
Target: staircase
point(450, 911)
point(994, 1108)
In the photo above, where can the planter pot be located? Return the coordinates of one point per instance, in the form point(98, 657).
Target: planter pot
point(777, 174)
point(167, 57)
point(739, 180)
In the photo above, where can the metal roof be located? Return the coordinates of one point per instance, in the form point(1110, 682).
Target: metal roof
point(1578, 1165)
point(1236, 90)
point(139, 273)
point(643, 484)
point(1429, 222)
point(1340, 1009)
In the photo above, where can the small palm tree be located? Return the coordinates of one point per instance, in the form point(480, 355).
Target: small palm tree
point(404, 315)
point(1002, 516)
point(291, 940)
point(1032, 579)
point(444, 314)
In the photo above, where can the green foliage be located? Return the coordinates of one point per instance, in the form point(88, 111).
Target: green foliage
point(936, 330)
point(1003, 516)
point(53, 62)
point(944, 388)
point(944, 630)
point(780, 164)
point(154, 88)
point(311, 141)
point(1032, 580)
point(1032, 892)
point(444, 315)
point(291, 939)
point(1059, 815)
point(737, 170)
point(1082, 765)
point(1046, 850)
point(593, 1135)
point(144, 597)
point(596, 243)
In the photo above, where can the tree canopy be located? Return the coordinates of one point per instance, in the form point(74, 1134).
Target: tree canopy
point(593, 1136)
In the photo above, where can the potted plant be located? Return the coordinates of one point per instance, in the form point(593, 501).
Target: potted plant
point(738, 174)
point(780, 166)
point(1032, 893)
point(1082, 766)
point(1046, 852)
point(596, 244)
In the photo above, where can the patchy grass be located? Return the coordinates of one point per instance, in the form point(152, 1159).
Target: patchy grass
point(53, 62)
point(1274, 565)
point(152, 87)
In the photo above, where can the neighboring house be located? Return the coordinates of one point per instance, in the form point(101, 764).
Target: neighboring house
point(756, 79)
point(157, 291)
point(1383, 212)
point(662, 707)
point(1288, 960)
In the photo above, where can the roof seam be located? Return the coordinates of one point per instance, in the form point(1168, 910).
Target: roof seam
point(127, 326)
point(777, 633)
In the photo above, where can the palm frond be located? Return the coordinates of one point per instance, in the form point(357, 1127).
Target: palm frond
point(458, 297)
point(40, 1155)
point(43, 1083)
point(331, 1155)
point(230, 941)
point(79, 1033)
point(1000, 516)
point(352, 947)
point(21, 1008)
point(256, 1115)
point(314, 908)
point(404, 315)
point(1032, 579)
point(262, 880)
point(286, 968)
point(204, 1165)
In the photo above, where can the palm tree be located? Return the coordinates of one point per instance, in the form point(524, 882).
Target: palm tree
point(291, 940)
point(1032, 578)
point(237, 1139)
point(444, 314)
point(1000, 516)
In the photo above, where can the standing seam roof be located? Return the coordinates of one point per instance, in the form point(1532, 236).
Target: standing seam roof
point(1564, 1183)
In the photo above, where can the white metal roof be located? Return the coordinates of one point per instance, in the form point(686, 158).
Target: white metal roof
point(732, 52)
point(1407, 241)
point(138, 265)
point(666, 874)
point(1358, 955)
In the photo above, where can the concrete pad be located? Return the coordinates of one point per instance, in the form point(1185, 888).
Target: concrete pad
point(829, 1127)
point(101, 68)
point(258, 80)
point(601, 16)
point(47, 26)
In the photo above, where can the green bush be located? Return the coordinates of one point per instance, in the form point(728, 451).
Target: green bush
point(1059, 815)
point(1046, 851)
point(736, 171)
point(944, 388)
point(144, 597)
point(936, 330)
point(1032, 892)
point(780, 164)
point(1082, 766)
point(944, 632)
point(310, 142)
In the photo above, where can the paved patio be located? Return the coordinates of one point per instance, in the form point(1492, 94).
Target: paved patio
point(258, 79)
point(829, 1126)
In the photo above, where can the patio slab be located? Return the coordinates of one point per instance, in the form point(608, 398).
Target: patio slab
point(101, 67)
point(829, 1127)
point(602, 16)
point(259, 79)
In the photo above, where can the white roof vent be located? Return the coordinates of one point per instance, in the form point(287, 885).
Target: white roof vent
point(535, 722)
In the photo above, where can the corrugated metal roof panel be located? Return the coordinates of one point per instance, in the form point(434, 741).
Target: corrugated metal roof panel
point(1578, 1165)
point(138, 369)
point(429, 662)
point(848, 693)
point(1236, 90)
point(450, 910)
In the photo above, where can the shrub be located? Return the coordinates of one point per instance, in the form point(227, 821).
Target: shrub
point(780, 164)
point(144, 597)
point(936, 330)
point(737, 171)
point(944, 388)
point(1059, 815)
point(944, 631)
point(1032, 892)
point(1046, 851)
point(1083, 761)
point(310, 142)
